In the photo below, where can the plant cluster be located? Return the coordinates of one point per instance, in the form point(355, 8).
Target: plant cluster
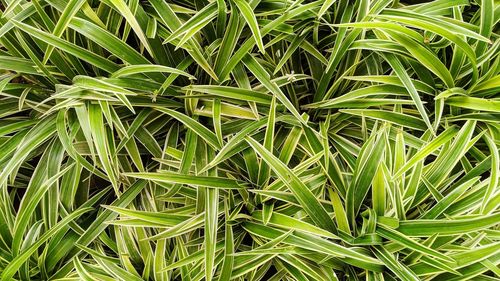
point(249, 140)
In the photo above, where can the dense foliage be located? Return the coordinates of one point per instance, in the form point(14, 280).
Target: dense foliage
point(249, 140)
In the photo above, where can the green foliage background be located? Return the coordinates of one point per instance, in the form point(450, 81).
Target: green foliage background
point(249, 140)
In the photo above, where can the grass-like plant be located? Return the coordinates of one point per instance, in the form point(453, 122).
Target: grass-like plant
point(249, 140)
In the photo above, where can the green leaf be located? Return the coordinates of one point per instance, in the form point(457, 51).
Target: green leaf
point(101, 143)
point(411, 244)
point(405, 79)
point(304, 196)
point(136, 69)
point(125, 11)
point(447, 227)
point(392, 117)
point(206, 181)
point(69, 12)
point(70, 48)
point(231, 93)
point(199, 129)
point(400, 270)
point(248, 15)
point(474, 103)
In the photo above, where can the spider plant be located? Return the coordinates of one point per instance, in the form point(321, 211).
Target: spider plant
point(249, 140)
